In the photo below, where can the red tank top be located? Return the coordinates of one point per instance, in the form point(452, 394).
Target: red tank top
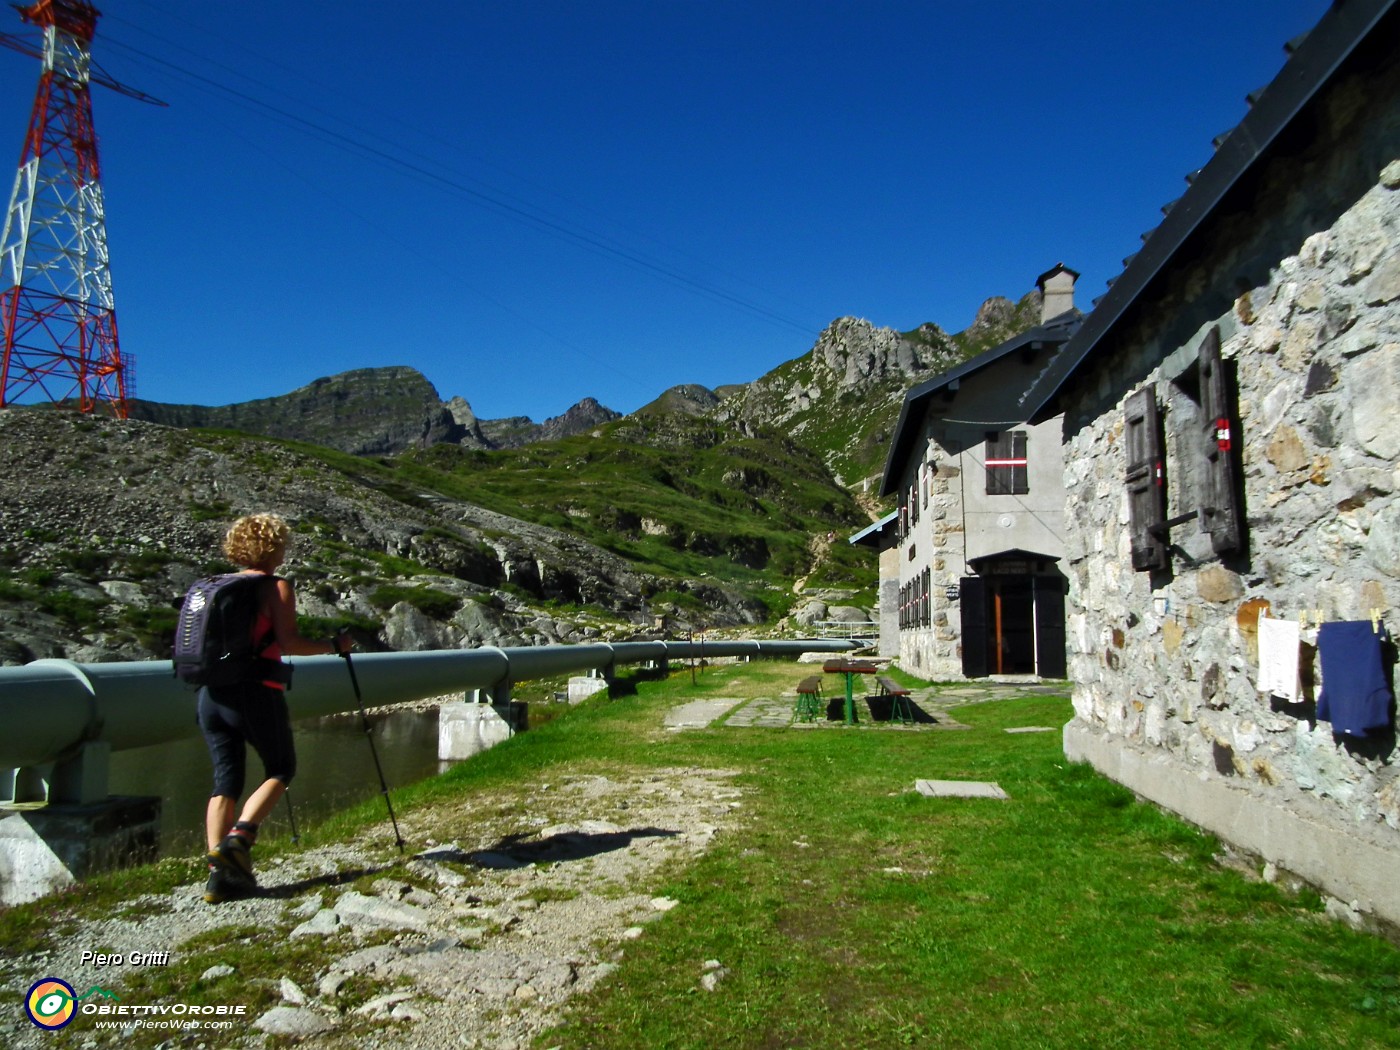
point(262, 628)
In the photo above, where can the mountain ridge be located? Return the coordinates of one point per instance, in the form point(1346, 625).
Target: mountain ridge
point(425, 527)
point(390, 409)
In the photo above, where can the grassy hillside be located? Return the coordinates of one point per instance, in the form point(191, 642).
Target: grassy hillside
point(849, 432)
point(676, 496)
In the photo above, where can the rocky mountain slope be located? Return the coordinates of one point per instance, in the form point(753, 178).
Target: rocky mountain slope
point(427, 527)
point(841, 398)
point(373, 412)
point(104, 523)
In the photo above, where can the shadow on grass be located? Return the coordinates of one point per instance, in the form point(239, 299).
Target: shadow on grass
point(878, 710)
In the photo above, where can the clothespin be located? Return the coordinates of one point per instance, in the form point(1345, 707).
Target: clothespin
point(1375, 621)
point(1302, 620)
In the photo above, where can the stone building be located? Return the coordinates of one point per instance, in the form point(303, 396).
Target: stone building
point(1231, 413)
point(979, 529)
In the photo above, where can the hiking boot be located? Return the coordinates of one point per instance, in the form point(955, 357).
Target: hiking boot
point(232, 856)
point(224, 885)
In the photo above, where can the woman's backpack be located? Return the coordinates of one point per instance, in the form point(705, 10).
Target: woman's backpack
point(214, 643)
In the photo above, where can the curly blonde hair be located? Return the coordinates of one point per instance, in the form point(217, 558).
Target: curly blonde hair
point(255, 539)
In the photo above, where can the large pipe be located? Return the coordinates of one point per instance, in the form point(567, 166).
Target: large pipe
point(50, 708)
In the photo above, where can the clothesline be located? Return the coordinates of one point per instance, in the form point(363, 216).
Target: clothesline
point(1308, 620)
point(1355, 695)
point(1314, 616)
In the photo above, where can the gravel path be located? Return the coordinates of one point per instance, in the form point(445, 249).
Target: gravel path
point(517, 903)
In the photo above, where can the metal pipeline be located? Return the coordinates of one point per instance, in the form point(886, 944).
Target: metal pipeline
point(50, 708)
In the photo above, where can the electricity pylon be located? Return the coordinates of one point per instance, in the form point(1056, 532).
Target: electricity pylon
point(57, 312)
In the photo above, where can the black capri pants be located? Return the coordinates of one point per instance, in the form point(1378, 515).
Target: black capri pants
point(250, 714)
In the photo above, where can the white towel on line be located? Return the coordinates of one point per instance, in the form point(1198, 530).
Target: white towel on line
point(1278, 659)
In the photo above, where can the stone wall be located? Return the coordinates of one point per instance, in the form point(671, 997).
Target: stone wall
point(1164, 664)
point(935, 542)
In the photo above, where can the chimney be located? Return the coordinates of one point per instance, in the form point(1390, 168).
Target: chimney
point(1056, 291)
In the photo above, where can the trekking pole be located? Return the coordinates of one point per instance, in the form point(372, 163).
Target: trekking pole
point(292, 817)
point(364, 721)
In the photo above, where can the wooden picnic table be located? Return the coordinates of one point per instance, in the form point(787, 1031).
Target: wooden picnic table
point(849, 668)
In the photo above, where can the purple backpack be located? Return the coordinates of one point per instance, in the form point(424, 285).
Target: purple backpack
point(214, 643)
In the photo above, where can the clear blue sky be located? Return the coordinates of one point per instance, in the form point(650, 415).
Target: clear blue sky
point(535, 202)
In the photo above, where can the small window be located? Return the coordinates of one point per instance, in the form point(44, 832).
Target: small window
point(1006, 464)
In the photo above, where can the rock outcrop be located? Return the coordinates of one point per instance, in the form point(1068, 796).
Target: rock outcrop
point(370, 411)
point(374, 412)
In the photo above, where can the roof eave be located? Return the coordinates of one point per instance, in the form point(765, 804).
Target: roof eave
point(1050, 332)
point(1307, 72)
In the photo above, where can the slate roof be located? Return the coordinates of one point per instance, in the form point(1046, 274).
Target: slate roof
point(1053, 332)
point(1316, 61)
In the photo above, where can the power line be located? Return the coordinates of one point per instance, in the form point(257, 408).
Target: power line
point(491, 197)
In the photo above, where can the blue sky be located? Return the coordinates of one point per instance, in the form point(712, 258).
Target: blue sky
point(536, 202)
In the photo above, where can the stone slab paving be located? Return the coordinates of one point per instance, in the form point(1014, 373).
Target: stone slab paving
point(766, 713)
point(699, 713)
point(959, 789)
point(931, 706)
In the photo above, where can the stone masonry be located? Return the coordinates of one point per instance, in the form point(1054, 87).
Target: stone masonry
point(1165, 663)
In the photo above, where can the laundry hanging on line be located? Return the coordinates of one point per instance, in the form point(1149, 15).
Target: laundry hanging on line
point(1279, 670)
point(1355, 695)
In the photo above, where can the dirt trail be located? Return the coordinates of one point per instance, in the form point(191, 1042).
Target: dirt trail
point(515, 903)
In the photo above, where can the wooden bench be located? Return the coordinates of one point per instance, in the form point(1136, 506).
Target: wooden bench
point(809, 691)
point(900, 707)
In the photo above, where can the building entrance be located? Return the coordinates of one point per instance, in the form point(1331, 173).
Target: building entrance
point(1013, 617)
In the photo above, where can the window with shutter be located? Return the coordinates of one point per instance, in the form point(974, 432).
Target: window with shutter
point(1221, 508)
point(1146, 480)
point(1006, 464)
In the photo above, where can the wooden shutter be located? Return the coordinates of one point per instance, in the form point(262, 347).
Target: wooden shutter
point(1020, 479)
point(1146, 480)
point(997, 448)
point(1006, 463)
point(1050, 627)
point(1221, 509)
point(972, 602)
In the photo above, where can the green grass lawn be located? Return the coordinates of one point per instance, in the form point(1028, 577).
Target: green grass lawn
point(849, 911)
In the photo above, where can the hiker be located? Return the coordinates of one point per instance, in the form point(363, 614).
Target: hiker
point(254, 712)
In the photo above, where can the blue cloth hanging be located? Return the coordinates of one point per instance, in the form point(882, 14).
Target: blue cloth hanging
point(1355, 697)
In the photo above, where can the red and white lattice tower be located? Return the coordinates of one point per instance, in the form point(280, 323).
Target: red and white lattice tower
point(58, 316)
